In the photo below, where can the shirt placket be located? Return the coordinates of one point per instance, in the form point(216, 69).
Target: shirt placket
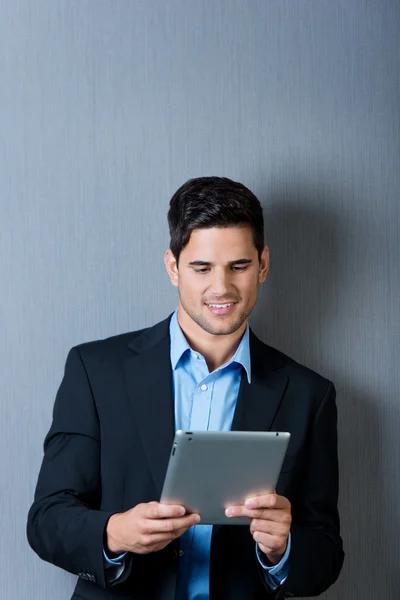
point(202, 396)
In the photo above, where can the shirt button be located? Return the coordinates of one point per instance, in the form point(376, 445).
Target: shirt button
point(204, 387)
point(195, 355)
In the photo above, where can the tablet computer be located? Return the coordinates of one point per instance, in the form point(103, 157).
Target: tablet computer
point(211, 470)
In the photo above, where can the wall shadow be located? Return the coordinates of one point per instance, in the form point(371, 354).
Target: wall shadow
point(303, 313)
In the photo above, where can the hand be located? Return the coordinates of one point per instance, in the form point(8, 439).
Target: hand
point(147, 527)
point(270, 523)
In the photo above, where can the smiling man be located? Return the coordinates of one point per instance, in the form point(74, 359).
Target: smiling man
point(97, 512)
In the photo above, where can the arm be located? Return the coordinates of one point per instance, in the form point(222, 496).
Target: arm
point(316, 555)
point(65, 526)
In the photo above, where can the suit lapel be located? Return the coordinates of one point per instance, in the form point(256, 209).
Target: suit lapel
point(259, 401)
point(148, 376)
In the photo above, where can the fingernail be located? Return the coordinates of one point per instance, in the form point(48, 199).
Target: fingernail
point(230, 512)
point(181, 511)
point(250, 503)
point(197, 519)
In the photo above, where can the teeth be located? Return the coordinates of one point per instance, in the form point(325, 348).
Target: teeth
point(220, 305)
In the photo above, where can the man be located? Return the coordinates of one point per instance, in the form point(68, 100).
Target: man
point(97, 512)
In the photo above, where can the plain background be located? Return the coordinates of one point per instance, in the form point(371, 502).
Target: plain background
point(106, 107)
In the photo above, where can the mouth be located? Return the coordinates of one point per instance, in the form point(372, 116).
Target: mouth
point(220, 308)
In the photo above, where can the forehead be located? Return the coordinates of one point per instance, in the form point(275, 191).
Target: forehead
point(224, 243)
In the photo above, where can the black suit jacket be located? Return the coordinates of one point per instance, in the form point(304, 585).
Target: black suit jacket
point(108, 448)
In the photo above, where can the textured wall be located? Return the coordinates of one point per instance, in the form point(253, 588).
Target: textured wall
point(105, 108)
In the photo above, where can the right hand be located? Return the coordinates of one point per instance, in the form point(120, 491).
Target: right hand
point(147, 527)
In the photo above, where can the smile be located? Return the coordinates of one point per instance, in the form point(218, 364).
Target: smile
point(220, 305)
point(221, 310)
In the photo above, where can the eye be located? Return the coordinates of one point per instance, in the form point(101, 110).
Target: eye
point(202, 270)
point(239, 268)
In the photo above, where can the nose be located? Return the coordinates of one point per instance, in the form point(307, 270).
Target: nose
point(220, 284)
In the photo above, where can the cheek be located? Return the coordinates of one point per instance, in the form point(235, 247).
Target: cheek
point(192, 288)
point(249, 291)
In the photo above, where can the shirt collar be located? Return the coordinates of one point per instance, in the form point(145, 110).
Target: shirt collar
point(180, 345)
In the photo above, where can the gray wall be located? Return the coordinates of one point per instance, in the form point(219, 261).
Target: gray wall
point(106, 107)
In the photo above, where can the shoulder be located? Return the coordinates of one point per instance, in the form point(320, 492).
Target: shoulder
point(118, 346)
point(267, 357)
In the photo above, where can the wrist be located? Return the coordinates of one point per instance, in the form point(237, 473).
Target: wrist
point(274, 559)
point(112, 538)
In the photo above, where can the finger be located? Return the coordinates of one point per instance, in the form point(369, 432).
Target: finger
point(268, 501)
point(156, 510)
point(169, 526)
point(270, 527)
point(269, 514)
point(264, 549)
point(264, 501)
point(270, 544)
point(180, 532)
point(150, 542)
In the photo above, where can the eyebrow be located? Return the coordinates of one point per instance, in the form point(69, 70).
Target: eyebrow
point(204, 263)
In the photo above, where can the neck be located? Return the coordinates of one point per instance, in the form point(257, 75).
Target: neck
point(216, 349)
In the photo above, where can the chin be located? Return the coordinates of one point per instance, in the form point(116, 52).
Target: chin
point(216, 327)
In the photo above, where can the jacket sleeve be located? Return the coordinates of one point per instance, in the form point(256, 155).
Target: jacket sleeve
point(65, 524)
point(316, 555)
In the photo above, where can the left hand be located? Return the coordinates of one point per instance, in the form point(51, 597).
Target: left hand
point(270, 523)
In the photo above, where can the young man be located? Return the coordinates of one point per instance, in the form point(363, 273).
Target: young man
point(97, 512)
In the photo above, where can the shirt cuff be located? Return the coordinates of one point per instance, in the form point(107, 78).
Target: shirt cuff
point(114, 567)
point(113, 562)
point(277, 573)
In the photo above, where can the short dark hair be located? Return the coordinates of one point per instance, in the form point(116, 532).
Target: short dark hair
point(206, 202)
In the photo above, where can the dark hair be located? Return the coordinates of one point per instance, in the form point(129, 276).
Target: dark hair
point(206, 202)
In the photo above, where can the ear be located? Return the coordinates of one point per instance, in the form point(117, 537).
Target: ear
point(172, 267)
point(264, 265)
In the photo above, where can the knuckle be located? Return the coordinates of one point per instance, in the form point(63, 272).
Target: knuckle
point(145, 540)
point(153, 510)
point(168, 526)
point(143, 527)
point(287, 519)
point(160, 546)
point(258, 514)
point(139, 508)
point(284, 531)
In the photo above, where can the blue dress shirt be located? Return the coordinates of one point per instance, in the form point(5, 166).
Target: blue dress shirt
point(204, 401)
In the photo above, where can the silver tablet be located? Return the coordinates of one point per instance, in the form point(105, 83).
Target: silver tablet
point(211, 470)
